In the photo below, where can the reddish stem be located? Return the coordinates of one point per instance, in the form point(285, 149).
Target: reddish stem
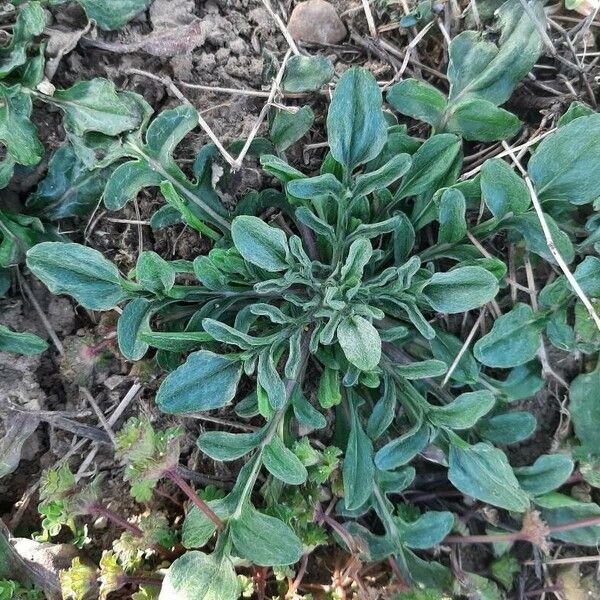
point(518, 535)
point(191, 494)
point(103, 511)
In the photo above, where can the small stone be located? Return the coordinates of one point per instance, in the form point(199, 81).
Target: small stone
point(113, 382)
point(316, 22)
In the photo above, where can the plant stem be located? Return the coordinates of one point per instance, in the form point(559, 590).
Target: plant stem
point(517, 536)
point(128, 580)
point(191, 494)
point(103, 511)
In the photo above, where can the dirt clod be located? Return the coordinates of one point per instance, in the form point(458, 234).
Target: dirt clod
point(316, 22)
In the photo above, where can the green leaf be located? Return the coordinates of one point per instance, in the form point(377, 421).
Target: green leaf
point(356, 128)
point(280, 168)
point(480, 120)
point(264, 540)
point(289, 126)
point(453, 226)
point(584, 407)
point(503, 190)
point(154, 273)
point(69, 188)
point(528, 225)
point(481, 69)
point(205, 381)
point(460, 290)
point(576, 109)
point(97, 106)
point(383, 412)
point(515, 339)
point(427, 531)
point(310, 187)
point(383, 177)
point(126, 182)
point(283, 463)
point(17, 132)
point(260, 244)
point(509, 428)
point(483, 472)
point(431, 164)
point(19, 233)
point(114, 15)
point(403, 449)
point(358, 470)
point(557, 509)
point(445, 347)
point(422, 369)
point(307, 73)
point(269, 379)
point(359, 255)
point(360, 342)
point(419, 100)
point(132, 323)
point(463, 412)
point(564, 165)
point(175, 341)
point(21, 343)
point(198, 576)
point(547, 473)
point(78, 271)
point(30, 23)
point(226, 446)
point(328, 392)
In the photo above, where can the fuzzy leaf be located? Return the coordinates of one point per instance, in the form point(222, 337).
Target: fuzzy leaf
point(205, 381)
point(483, 472)
point(283, 463)
point(419, 100)
point(463, 412)
point(198, 576)
point(307, 73)
point(584, 407)
point(17, 132)
point(225, 446)
point(260, 244)
point(264, 540)
point(515, 339)
point(21, 342)
point(460, 290)
point(79, 271)
point(480, 120)
point(427, 531)
point(482, 69)
point(558, 509)
point(69, 189)
point(358, 470)
point(503, 190)
point(508, 428)
point(547, 473)
point(383, 177)
point(288, 127)
point(564, 165)
point(113, 15)
point(403, 449)
point(97, 106)
point(356, 129)
point(360, 342)
point(453, 226)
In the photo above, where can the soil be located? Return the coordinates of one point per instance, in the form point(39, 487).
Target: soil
point(228, 52)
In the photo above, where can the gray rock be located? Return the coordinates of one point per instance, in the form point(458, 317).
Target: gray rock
point(317, 22)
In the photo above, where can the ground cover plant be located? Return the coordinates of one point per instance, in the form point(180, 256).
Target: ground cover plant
point(361, 337)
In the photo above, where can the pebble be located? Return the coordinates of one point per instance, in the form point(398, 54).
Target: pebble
point(317, 22)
